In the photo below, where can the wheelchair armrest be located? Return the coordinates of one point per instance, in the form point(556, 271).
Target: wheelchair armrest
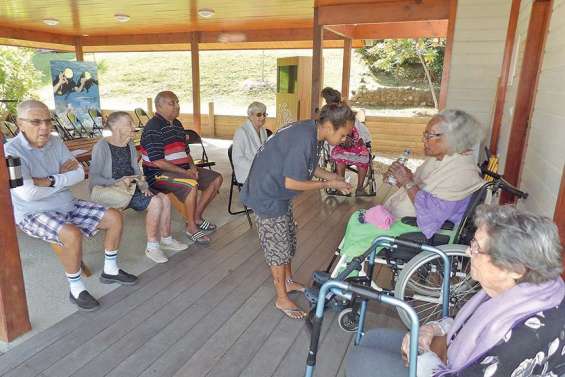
point(410, 220)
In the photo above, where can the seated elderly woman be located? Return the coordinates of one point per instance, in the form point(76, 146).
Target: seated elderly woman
point(353, 150)
point(248, 139)
point(438, 191)
point(114, 169)
point(514, 326)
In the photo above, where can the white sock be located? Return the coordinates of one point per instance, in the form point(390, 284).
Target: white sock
point(111, 262)
point(152, 245)
point(75, 283)
point(168, 239)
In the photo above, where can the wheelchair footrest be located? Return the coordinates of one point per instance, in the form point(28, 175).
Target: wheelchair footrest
point(320, 277)
point(311, 295)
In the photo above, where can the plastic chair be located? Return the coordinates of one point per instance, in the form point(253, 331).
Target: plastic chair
point(192, 137)
point(235, 183)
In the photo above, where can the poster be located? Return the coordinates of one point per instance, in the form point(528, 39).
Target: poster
point(75, 88)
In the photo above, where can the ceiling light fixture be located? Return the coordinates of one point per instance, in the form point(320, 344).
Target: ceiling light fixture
point(121, 17)
point(206, 12)
point(51, 21)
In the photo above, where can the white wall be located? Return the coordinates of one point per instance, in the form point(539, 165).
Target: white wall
point(478, 47)
point(545, 153)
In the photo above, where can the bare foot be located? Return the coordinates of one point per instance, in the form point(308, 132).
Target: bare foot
point(292, 286)
point(290, 309)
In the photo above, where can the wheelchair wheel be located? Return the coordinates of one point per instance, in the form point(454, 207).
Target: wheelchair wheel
point(419, 284)
point(348, 320)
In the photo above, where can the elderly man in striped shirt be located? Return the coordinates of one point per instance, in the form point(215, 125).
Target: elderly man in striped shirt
point(170, 169)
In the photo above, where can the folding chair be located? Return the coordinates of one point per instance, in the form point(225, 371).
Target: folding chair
point(235, 183)
point(97, 126)
point(78, 126)
point(64, 132)
point(192, 137)
point(139, 114)
point(9, 129)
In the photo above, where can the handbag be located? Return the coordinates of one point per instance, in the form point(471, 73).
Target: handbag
point(114, 196)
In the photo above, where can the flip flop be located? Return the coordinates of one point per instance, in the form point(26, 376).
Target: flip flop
point(289, 311)
point(207, 226)
point(198, 238)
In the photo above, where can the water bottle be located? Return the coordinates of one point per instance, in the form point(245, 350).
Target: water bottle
point(402, 161)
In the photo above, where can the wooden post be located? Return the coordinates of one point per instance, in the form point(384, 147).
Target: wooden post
point(346, 71)
point(150, 111)
point(533, 53)
point(317, 57)
point(211, 119)
point(194, 52)
point(79, 55)
point(559, 215)
point(14, 317)
point(504, 71)
point(447, 54)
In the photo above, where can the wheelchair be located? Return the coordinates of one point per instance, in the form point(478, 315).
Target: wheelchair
point(416, 276)
point(370, 184)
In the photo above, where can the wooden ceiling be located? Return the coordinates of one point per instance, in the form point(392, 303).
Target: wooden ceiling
point(169, 23)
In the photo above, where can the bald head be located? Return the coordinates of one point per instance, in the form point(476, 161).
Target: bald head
point(167, 105)
point(26, 106)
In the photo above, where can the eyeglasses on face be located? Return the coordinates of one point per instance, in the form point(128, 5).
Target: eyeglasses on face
point(474, 248)
point(38, 122)
point(259, 115)
point(427, 135)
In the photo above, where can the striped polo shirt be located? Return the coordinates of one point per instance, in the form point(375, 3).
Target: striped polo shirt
point(160, 140)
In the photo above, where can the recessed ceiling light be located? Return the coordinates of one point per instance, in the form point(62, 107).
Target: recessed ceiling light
point(85, 35)
point(51, 21)
point(121, 17)
point(206, 12)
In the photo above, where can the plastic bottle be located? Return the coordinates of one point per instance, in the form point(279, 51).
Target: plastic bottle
point(402, 161)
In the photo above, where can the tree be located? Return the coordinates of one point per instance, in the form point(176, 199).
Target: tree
point(17, 75)
point(412, 60)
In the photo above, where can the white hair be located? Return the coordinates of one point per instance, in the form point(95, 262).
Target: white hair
point(25, 106)
point(462, 130)
point(256, 107)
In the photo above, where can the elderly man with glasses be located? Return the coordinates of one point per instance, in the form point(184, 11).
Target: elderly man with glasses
point(45, 208)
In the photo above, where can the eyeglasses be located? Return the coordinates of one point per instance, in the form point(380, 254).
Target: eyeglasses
point(474, 248)
point(427, 136)
point(38, 122)
point(259, 115)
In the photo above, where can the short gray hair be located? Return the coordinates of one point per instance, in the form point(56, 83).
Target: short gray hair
point(115, 117)
point(521, 241)
point(25, 106)
point(462, 130)
point(161, 95)
point(256, 107)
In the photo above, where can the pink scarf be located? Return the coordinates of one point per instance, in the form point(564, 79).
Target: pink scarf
point(484, 321)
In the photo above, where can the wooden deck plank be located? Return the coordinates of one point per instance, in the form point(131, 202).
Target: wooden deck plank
point(186, 289)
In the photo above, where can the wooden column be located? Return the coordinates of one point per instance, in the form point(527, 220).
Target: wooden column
point(150, 111)
point(503, 80)
point(317, 58)
point(447, 54)
point(211, 119)
point(526, 91)
point(14, 318)
point(195, 54)
point(346, 71)
point(559, 215)
point(78, 50)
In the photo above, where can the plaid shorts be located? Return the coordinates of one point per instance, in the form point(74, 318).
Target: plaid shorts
point(46, 225)
point(277, 236)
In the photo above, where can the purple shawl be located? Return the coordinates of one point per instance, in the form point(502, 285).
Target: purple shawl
point(484, 321)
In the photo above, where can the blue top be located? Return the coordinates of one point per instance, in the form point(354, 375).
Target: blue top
point(292, 152)
point(41, 163)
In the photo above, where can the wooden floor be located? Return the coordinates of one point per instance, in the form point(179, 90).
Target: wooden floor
point(208, 312)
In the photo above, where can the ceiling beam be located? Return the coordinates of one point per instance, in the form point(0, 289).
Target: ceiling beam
point(398, 11)
point(392, 30)
point(344, 31)
point(36, 36)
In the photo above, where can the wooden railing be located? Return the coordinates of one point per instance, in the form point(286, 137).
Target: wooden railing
point(390, 135)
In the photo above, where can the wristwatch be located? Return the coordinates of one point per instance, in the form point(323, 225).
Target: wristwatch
point(408, 185)
point(51, 181)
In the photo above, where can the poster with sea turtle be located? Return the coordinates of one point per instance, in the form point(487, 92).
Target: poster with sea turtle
point(75, 88)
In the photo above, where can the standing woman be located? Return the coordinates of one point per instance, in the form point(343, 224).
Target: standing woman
point(283, 167)
point(248, 139)
point(114, 161)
